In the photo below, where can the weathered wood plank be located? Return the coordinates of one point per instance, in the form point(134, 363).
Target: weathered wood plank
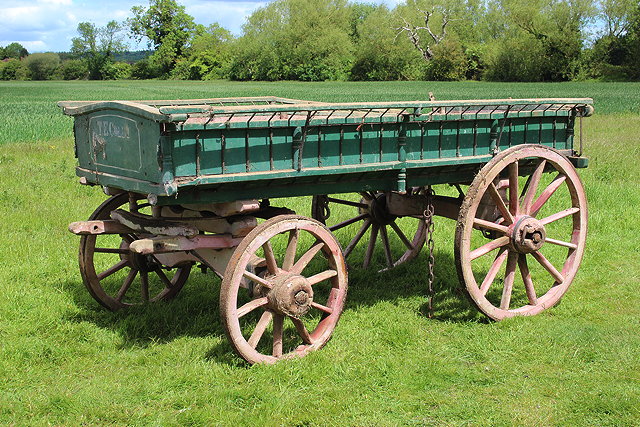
point(108, 226)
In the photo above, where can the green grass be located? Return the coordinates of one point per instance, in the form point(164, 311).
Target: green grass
point(30, 112)
point(66, 361)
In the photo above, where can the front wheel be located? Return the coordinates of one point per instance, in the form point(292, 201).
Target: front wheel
point(290, 304)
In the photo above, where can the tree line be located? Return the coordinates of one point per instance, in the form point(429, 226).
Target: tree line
point(496, 40)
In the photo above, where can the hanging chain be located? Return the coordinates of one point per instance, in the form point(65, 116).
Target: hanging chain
point(428, 218)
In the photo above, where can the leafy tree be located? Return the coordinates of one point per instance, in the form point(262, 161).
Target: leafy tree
point(519, 58)
point(14, 50)
point(9, 69)
point(449, 62)
point(167, 27)
point(42, 66)
point(74, 69)
point(557, 26)
point(618, 15)
point(144, 69)
point(208, 56)
point(118, 71)
point(295, 40)
point(358, 14)
point(96, 46)
point(615, 55)
point(379, 54)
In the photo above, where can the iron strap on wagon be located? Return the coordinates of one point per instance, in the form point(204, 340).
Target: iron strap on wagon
point(191, 182)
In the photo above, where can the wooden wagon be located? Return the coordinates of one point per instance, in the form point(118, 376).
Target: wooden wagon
point(191, 183)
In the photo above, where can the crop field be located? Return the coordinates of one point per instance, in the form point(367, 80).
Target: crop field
point(64, 360)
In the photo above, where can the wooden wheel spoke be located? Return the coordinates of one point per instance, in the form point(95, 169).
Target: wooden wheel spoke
point(349, 222)
point(278, 329)
point(111, 251)
point(292, 247)
point(386, 246)
point(548, 266)
point(163, 278)
point(270, 258)
point(513, 188)
point(402, 236)
point(126, 284)
point(509, 277)
point(481, 223)
point(306, 258)
point(526, 278)
point(113, 269)
point(493, 271)
point(559, 215)
point(144, 286)
point(262, 325)
point(372, 244)
point(321, 307)
point(321, 277)
point(497, 199)
point(488, 247)
point(546, 194)
point(348, 203)
point(532, 187)
point(561, 243)
point(352, 244)
point(302, 330)
point(251, 305)
point(251, 276)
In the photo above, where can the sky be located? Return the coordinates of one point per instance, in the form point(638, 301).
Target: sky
point(49, 25)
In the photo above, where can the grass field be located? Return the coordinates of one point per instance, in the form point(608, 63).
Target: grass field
point(66, 361)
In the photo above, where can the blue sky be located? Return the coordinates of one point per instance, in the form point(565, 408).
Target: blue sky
point(49, 25)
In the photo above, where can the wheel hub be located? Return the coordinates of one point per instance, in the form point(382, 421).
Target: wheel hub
point(140, 262)
point(528, 235)
point(291, 295)
point(378, 210)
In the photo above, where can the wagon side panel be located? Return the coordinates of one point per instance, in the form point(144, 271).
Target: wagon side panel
point(118, 149)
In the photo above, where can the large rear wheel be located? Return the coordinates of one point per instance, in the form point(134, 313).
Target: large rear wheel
point(520, 256)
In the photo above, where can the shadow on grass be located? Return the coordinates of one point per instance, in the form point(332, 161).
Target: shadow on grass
point(194, 312)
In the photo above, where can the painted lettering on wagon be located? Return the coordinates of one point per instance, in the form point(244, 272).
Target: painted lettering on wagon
point(107, 128)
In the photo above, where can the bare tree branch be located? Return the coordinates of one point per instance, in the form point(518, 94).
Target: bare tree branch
point(413, 32)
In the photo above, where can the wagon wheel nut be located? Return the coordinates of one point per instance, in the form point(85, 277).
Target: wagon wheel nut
point(528, 235)
point(291, 295)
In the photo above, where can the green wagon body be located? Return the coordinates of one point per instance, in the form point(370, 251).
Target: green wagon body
point(219, 150)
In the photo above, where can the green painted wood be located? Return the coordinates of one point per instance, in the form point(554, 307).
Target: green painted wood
point(278, 149)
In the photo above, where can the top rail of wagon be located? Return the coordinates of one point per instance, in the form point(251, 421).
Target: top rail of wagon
point(181, 111)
